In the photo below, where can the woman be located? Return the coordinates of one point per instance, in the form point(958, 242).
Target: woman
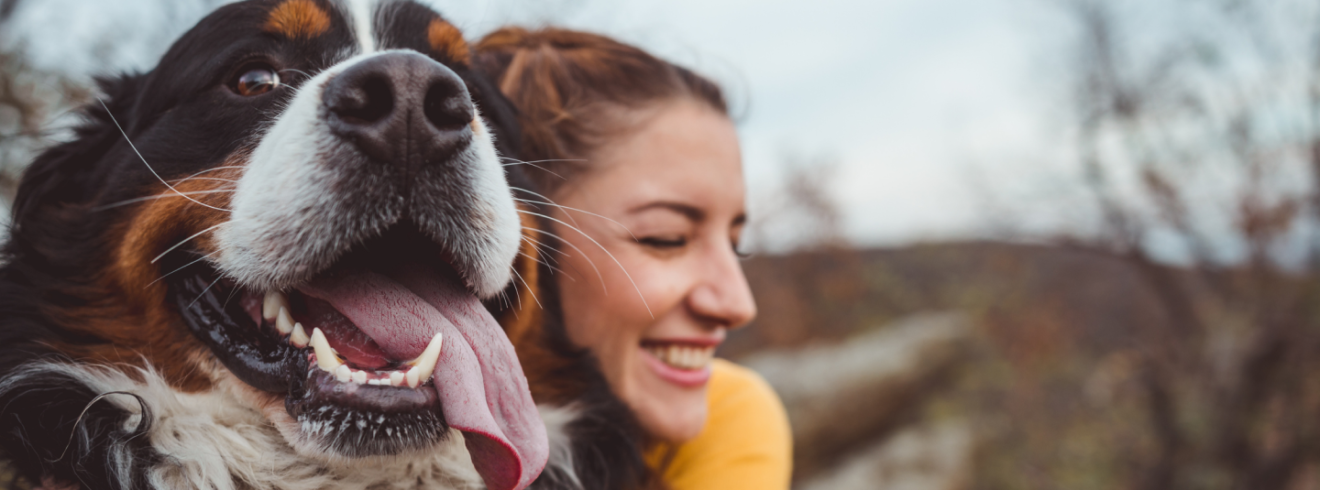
point(639, 174)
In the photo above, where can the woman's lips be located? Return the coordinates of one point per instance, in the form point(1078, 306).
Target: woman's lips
point(683, 364)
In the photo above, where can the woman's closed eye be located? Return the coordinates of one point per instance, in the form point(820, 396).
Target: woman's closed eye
point(663, 242)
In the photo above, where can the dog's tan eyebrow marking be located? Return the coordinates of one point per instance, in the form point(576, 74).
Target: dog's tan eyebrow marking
point(297, 19)
point(445, 38)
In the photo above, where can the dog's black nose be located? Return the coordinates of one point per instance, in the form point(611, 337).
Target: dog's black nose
point(401, 108)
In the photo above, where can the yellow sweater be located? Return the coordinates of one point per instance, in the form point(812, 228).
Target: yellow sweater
point(746, 444)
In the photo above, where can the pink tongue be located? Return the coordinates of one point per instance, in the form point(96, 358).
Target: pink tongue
point(478, 378)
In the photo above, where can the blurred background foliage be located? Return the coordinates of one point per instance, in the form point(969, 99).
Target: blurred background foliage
point(1168, 338)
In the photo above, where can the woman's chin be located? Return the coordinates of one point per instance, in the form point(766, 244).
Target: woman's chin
point(672, 420)
point(669, 402)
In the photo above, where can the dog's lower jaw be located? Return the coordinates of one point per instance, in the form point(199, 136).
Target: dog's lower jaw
point(233, 436)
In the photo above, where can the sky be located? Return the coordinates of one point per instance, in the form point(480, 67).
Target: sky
point(928, 108)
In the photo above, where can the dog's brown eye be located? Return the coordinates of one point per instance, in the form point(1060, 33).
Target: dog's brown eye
point(256, 81)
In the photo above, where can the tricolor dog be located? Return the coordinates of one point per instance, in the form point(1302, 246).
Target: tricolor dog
point(261, 264)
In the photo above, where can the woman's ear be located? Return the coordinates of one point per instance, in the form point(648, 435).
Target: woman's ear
point(63, 175)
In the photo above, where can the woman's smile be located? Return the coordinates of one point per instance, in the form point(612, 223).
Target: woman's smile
point(684, 362)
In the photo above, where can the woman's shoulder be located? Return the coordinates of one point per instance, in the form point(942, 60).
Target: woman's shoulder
point(746, 442)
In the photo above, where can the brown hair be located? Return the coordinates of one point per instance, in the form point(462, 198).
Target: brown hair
point(574, 89)
point(574, 92)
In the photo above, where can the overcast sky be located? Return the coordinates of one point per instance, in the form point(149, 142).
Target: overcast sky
point(931, 107)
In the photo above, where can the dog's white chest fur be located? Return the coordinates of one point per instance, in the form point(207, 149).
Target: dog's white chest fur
point(214, 441)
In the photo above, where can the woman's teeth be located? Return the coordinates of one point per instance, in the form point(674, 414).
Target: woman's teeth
point(684, 357)
point(275, 309)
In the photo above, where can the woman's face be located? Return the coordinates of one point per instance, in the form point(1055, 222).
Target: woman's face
point(670, 202)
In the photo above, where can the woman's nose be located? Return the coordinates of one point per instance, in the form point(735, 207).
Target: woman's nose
point(723, 296)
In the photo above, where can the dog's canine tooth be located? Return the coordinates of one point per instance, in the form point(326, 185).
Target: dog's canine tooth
point(343, 373)
point(325, 356)
point(413, 377)
point(396, 378)
point(299, 336)
point(271, 305)
point(432, 352)
point(284, 321)
point(425, 363)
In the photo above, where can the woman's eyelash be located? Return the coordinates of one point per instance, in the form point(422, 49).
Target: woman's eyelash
point(662, 242)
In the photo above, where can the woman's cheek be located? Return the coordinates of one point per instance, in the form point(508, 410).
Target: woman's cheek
point(661, 286)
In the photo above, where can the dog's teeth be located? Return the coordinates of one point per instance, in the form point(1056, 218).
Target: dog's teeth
point(343, 373)
point(413, 377)
point(325, 356)
point(378, 382)
point(360, 377)
point(299, 336)
point(271, 304)
point(396, 378)
point(284, 321)
point(425, 363)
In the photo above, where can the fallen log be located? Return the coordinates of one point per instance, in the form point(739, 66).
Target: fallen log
point(843, 398)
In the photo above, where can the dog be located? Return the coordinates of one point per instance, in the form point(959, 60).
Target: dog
point(261, 265)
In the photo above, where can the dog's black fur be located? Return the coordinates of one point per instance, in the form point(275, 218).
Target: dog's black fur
point(65, 221)
point(66, 218)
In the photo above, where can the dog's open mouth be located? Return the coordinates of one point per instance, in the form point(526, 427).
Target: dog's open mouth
point(379, 354)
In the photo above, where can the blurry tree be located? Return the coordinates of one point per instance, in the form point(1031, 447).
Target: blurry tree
point(800, 213)
point(816, 286)
point(1197, 128)
point(29, 101)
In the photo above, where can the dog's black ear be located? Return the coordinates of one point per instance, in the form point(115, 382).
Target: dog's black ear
point(64, 174)
point(500, 114)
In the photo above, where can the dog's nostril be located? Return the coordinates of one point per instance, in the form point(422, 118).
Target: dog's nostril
point(448, 106)
point(369, 101)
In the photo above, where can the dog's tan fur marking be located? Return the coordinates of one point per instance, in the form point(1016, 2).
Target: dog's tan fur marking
point(446, 39)
point(132, 314)
point(298, 19)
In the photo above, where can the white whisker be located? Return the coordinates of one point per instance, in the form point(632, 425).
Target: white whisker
point(590, 262)
point(529, 288)
point(539, 261)
point(185, 266)
point(607, 253)
point(570, 215)
point(208, 288)
point(517, 295)
point(207, 171)
point(185, 240)
point(546, 170)
point(159, 196)
point(144, 159)
point(542, 246)
point(516, 161)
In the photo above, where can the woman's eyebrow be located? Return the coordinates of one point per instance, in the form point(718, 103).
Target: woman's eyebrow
point(691, 212)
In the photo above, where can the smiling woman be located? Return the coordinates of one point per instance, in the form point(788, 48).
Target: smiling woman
point(642, 173)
